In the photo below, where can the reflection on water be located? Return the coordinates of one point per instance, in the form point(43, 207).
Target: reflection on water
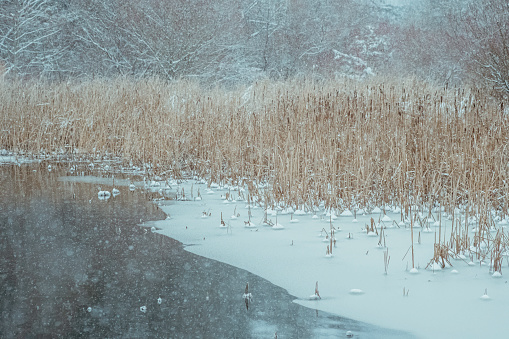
point(74, 266)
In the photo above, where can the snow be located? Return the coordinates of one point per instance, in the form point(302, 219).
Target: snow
point(103, 195)
point(352, 280)
point(278, 226)
point(346, 213)
point(8, 158)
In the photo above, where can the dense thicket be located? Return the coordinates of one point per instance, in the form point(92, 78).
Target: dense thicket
point(338, 142)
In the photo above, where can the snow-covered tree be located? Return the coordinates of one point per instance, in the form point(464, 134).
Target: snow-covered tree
point(484, 27)
point(26, 31)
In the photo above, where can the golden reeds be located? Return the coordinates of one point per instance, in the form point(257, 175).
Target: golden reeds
point(345, 143)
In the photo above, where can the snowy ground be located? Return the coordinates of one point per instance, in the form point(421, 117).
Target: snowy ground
point(9, 158)
point(441, 303)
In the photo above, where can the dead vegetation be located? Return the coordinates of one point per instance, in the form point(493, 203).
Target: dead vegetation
point(344, 143)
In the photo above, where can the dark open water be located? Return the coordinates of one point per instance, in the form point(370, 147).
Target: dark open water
point(74, 266)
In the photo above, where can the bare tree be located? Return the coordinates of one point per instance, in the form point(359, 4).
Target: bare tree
point(26, 29)
point(486, 28)
point(238, 41)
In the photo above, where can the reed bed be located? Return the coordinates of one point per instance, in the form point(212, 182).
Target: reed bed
point(344, 143)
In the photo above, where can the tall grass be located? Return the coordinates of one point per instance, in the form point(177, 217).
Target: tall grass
point(342, 142)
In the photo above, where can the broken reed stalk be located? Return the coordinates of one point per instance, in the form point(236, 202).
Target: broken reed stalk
point(381, 241)
point(412, 237)
point(496, 254)
point(387, 258)
point(331, 233)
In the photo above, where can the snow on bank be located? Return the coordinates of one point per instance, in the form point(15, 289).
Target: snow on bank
point(443, 303)
point(11, 158)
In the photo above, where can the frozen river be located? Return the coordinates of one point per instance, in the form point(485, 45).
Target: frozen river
point(72, 265)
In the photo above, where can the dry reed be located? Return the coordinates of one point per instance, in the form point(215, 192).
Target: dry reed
point(346, 143)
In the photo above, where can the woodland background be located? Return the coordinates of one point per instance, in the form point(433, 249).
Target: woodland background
point(231, 42)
